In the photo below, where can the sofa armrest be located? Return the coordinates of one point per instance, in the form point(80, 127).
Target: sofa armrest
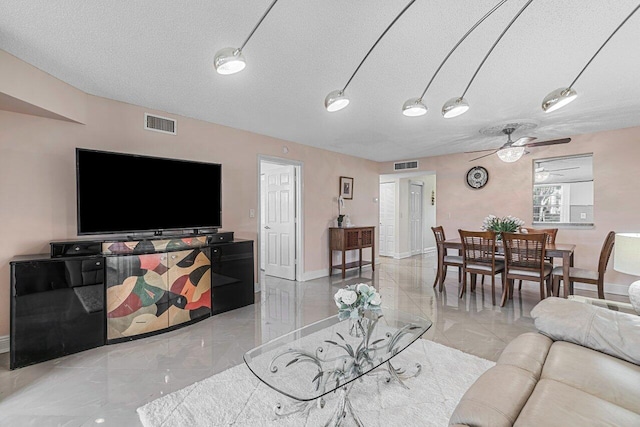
point(496, 398)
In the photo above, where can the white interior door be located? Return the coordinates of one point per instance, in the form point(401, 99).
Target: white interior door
point(387, 218)
point(280, 225)
point(415, 218)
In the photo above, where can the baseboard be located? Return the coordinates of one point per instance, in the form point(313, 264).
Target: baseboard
point(4, 344)
point(310, 275)
point(429, 251)
point(609, 288)
point(402, 255)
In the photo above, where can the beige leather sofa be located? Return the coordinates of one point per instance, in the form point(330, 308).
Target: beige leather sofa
point(563, 379)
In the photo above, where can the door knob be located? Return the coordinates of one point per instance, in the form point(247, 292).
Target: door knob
point(267, 227)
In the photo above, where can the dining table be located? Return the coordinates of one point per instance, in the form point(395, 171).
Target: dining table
point(564, 251)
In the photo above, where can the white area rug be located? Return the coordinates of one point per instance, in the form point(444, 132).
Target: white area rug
point(236, 397)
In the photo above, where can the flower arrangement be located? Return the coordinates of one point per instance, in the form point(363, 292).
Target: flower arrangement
point(508, 224)
point(353, 300)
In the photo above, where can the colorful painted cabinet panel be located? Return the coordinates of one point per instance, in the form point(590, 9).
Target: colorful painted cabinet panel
point(151, 292)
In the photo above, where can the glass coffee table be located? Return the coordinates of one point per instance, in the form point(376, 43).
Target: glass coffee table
point(330, 355)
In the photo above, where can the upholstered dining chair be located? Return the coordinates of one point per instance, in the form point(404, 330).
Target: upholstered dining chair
point(479, 257)
point(524, 260)
point(581, 275)
point(444, 259)
point(551, 239)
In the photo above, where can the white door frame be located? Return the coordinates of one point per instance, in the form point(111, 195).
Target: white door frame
point(298, 165)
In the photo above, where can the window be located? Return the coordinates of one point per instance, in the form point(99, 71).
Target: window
point(563, 190)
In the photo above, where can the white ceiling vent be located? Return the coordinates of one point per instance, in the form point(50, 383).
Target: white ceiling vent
point(160, 124)
point(400, 166)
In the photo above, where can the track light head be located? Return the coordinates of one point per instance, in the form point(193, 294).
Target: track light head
point(454, 107)
point(414, 107)
point(558, 99)
point(336, 101)
point(229, 61)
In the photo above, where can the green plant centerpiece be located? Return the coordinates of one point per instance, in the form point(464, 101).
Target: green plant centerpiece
point(506, 224)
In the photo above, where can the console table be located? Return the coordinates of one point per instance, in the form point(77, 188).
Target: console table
point(345, 239)
point(88, 293)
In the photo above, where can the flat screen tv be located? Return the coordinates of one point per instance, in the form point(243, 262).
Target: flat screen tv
point(126, 193)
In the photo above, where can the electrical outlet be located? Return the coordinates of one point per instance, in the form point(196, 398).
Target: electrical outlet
point(583, 215)
point(252, 213)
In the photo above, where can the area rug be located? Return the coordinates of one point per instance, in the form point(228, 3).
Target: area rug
point(236, 397)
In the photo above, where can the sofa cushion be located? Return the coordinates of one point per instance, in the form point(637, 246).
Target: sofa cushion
point(556, 404)
point(495, 398)
point(527, 351)
point(595, 373)
point(598, 328)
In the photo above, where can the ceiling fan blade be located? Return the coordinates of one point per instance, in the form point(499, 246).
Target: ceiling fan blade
point(480, 151)
point(523, 141)
point(551, 142)
point(564, 169)
point(478, 158)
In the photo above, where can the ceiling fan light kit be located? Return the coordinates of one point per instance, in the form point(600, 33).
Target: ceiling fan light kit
point(336, 101)
point(414, 107)
point(510, 154)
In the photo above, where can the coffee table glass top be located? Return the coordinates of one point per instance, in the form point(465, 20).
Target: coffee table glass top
point(319, 358)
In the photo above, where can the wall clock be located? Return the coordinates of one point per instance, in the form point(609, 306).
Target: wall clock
point(477, 177)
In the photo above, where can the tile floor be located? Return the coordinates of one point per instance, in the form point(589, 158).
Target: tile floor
point(104, 386)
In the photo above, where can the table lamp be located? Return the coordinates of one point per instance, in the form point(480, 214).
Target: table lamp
point(627, 260)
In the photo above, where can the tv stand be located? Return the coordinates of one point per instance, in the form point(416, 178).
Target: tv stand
point(88, 293)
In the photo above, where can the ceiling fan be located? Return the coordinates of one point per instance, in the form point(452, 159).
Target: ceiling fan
point(511, 151)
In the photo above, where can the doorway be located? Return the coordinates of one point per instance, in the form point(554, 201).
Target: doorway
point(387, 246)
point(407, 213)
point(280, 225)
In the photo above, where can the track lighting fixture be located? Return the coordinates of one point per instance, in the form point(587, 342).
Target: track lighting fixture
point(457, 106)
point(337, 99)
point(564, 95)
point(415, 107)
point(230, 60)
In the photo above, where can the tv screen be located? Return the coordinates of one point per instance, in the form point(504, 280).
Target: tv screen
point(120, 193)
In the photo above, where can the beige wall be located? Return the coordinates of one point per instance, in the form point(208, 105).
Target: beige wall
point(616, 191)
point(37, 177)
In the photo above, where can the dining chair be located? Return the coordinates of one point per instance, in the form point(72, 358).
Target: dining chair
point(591, 277)
point(444, 259)
point(551, 239)
point(479, 257)
point(524, 260)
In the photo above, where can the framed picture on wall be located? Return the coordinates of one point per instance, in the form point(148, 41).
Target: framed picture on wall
point(346, 187)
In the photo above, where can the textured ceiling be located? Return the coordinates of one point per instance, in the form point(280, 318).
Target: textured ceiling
point(159, 54)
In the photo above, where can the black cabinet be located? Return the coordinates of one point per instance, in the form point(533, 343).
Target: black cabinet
point(60, 302)
point(57, 307)
point(232, 282)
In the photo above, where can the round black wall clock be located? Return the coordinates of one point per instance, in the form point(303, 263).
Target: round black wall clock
point(477, 177)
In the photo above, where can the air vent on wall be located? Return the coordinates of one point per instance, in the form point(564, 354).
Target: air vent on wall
point(160, 124)
point(412, 164)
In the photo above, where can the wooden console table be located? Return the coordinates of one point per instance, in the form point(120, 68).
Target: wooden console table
point(351, 238)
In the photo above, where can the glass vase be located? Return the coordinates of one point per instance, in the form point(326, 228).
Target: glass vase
point(358, 326)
